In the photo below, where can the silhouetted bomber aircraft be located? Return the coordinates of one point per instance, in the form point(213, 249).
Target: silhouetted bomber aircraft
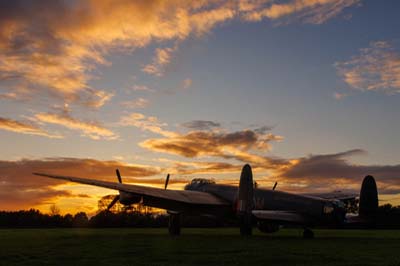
point(268, 208)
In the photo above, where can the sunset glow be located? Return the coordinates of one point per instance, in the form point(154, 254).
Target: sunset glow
point(305, 91)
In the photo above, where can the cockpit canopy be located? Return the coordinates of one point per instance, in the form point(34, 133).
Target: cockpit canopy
point(198, 182)
point(202, 181)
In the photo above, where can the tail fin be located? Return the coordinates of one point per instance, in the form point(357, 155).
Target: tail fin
point(368, 198)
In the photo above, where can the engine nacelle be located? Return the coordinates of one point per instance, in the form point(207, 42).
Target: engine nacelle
point(267, 227)
point(245, 200)
point(128, 198)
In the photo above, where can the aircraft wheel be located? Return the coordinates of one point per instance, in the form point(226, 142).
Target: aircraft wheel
point(174, 224)
point(308, 233)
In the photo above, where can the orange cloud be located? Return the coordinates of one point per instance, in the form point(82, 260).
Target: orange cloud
point(240, 145)
point(97, 98)
point(24, 128)
point(90, 129)
point(51, 47)
point(8, 96)
point(20, 189)
point(161, 58)
point(201, 143)
point(202, 167)
point(339, 96)
point(150, 123)
point(137, 103)
point(187, 83)
point(377, 68)
point(315, 173)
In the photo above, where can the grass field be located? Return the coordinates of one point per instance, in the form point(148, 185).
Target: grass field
point(221, 246)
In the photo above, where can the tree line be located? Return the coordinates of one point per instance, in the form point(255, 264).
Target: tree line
point(35, 219)
point(388, 216)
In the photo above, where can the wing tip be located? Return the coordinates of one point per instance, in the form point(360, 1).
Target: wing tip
point(35, 173)
point(42, 174)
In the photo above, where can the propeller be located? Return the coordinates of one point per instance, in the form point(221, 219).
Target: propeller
point(276, 183)
point(117, 196)
point(113, 202)
point(118, 175)
point(166, 182)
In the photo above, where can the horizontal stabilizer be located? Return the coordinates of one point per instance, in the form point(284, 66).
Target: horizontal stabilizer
point(352, 219)
point(335, 195)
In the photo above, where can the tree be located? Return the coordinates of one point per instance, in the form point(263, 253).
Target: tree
point(54, 210)
point(80, 220)
point(103, 203)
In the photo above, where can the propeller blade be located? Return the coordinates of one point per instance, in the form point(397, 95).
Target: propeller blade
point(166, 182)
point(118, 175)
point(276, 183)
point(113, 202)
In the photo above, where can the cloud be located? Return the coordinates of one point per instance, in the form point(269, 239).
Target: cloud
point(308, 11)
point(314, 173)
point(376, 68)
point(187, 83)
point(92, 130)
point(52, 47)
point(240, 145)
point(142, 88)
point(224, 172)
point(25, 128)
point(150, 123)
point(20, 189)
point(317, 166)
point(8, 96)
point(339, 96)
point(206, 168)
point(201, 124)
point(161, 58)
point(330, 171)
point(235, 145)
point(137, 103)
point(98, 98)
point(263, 129)
point(17, 199)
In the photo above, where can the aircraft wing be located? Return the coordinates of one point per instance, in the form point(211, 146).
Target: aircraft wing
point(175, 200)
point(280, 216)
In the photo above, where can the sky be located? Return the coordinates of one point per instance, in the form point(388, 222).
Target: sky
point(306, 91)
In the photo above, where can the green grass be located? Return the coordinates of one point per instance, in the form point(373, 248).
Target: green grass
point(221, 246)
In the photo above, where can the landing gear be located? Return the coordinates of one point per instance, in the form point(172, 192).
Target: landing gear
point(245, 225)
point(308, 233)
point(174, 224)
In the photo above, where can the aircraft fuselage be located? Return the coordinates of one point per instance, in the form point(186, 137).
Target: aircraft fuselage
point(317, 209)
